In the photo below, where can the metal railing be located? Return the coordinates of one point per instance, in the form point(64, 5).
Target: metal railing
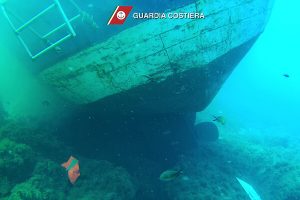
point(67, 23)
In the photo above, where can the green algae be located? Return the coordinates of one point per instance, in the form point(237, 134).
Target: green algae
point(15, 158)
point(103, 180)
point(209, 171)
point(45, 183)
point(41, 139)
point(30, 168)
point(269, 163)
point(49, 181)
point(5, 186)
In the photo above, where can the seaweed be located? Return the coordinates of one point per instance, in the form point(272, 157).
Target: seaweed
point(103, 180)
point(5, 186)
point(16, 160)
point(45, 183)
point(42, 140)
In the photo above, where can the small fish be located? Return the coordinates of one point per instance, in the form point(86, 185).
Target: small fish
point(170, 175)
point(286, 75)
point(58, 49)
point(177, 27)
point(89, 19)
point(151, 78)
point(72, 166)
point(219, 119)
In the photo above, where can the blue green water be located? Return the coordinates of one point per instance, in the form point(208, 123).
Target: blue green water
point(257, 92)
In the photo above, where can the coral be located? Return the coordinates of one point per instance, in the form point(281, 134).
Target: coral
point(102, 180)
point(47, 182)
point(37, 188)
point(210, 171)
point(5, 186)
point(16, 164)
point(19, 151)
point(282, 179)
point(16, 160)
point(268, 161)
point(98, 180)
point(268, 165)
point(26, 191)
point(42, 140)
point(204, 178)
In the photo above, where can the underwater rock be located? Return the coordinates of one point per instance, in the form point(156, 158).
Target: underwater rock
point(42, 140)
point(204, 178)
point(46, 183)
point(5, 186)
point(273, 170)
point(16, 160)
point(28, 190)
point(285, 179)
point(102, 180)
point(99, 180)
point(16, 164)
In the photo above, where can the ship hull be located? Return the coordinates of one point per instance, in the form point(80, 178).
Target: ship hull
point(163, 66)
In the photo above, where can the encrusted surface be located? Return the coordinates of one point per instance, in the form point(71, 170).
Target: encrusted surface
point(157, 49)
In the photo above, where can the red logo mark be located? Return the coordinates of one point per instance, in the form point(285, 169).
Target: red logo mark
point(120, 15)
